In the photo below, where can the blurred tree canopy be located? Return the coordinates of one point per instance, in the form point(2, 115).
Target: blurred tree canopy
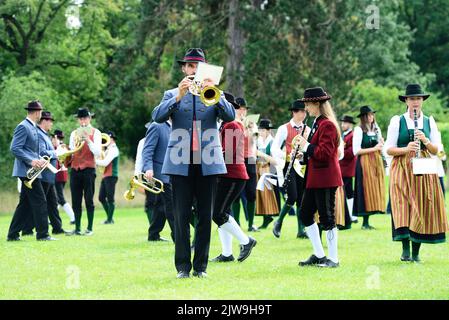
point(117, 57)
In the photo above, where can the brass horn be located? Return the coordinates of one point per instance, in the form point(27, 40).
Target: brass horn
point(209, 95)
point(154, 185)
point(33, 173)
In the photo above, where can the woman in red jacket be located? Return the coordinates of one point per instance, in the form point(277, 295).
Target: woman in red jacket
point(323, 177)
point(229, 188)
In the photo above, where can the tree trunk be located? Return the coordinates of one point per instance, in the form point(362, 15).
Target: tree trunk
point(236, 43)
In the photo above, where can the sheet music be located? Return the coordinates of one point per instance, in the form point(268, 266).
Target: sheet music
point(205, 71)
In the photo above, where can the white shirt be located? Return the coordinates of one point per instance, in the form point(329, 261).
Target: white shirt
point(281, 136)
point(95, 147)
point(263, 144)
point(358, 137)
point(111, 153)
point(393, 130)
point(138, 165)
point(34, 123)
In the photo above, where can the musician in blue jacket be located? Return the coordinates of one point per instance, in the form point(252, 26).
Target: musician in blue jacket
point(193, 160)
point(25, 148)
point(160, 205)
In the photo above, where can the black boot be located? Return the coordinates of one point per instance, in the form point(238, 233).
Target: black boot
point(415, 251)
point(406, 250)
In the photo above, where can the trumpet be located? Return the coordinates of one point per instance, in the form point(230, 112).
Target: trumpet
point(153, 185)
point(209, 95)
point(33, 173)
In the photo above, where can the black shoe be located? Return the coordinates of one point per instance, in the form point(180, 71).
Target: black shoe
point(277, 229)
point(183, 275)
point(245, 249)
point(312, 261)
point(406, 258)
point(368, 228)
point(159, 239)
point(88, 232)
point(329, 264)
point(200, 274)
point(58, 231)
point(72, 222)
point(416, 259)
point(74, 233)
point(253, 229)
point(355, 221)
point(47, 239)
point(302, 235)
point(13, 239)
point(222, 258)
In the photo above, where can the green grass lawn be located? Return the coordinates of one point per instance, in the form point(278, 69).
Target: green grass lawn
point(118, 263)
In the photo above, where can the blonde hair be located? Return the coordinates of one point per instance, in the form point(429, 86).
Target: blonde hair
point(327, 112)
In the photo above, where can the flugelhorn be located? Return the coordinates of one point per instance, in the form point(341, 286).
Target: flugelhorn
point(33, 173)
point(153, 185)
point(209, 95)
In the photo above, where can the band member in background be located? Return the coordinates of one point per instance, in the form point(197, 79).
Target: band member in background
point(62, 177)
point(441, 158)
point(82, 174)
point(48, 178)
point(295, 186)
point(417, 202)
point(347, 164)
point(110, 164)
point(160, 205)
point(267, 201)
point(192, 175)
point(25, 148)
point(250, 149)
point(367, 144)
point(323, 177)
point(229, 188)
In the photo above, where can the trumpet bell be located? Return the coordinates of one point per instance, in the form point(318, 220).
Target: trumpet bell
point(210, 95)
point(129, 195)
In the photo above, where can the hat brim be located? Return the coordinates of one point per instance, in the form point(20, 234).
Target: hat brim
point(182, 62)
point(361, 114)
point(424, 96)
point(316, 99)
point(346, 120)
point(90, 115)
point(45, 118)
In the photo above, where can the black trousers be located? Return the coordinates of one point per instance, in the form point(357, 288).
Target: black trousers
point(251, 184)
point(185, 189)
point(162, 210)
point(349, 188)
point(52, 206)
point(322, 200)
point(295, 187)
point(31, 201)
point(59, 186)
point(82, 182)
point(107, 189)
point(228, 190)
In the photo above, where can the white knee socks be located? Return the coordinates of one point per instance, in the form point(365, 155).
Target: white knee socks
point(68, 209)
point(332, 244)
point(314, 236)
point(226, 242)
point(233, 228)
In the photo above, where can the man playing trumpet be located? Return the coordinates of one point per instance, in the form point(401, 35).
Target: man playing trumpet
point(82, 174)
point(25, 148)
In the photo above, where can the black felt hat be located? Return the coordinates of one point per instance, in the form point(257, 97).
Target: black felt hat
point(241, 102)
point(83, 113)
point(230, 98)
point(347, 118)
point(59, 134)
point(297, 105)
point(413, 90)
point(46, 115)
point(315, 94)
point(34, 105)
point(364, 110)
point(193, 55)
point(265, 124)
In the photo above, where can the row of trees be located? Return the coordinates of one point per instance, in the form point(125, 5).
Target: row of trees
point(117, 57)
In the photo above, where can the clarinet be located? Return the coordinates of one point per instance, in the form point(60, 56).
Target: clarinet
point(292, 160)
point(415, 136)
point(376, 129)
